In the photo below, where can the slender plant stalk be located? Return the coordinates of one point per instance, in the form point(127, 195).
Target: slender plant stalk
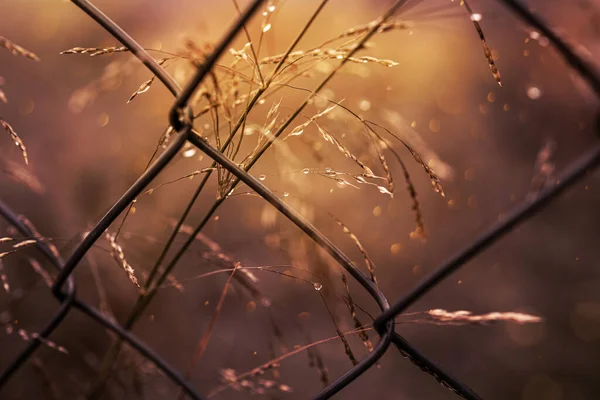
point(146, 295)
point(271, 139)
point(219, 201)
point(203, 342)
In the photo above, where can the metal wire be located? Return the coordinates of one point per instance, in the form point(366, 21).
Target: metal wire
point(181, 123)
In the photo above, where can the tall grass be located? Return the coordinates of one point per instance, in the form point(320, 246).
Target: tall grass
point(226, 113)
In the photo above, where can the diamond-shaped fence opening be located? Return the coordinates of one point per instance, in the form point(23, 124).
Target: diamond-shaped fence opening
point(64, 288)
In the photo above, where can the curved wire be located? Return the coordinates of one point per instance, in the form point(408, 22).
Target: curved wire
point(572, 174)
point(44, 333)
point(134, 47)
point(58, 317)
point(175, 114)
point(387, 334)
point(118, 208)
point(583, 68)
point(130, 338)
point(69, 300)
point(384, 323)
point(180, 103)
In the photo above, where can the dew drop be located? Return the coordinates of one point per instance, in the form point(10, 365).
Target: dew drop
point(476, 17)
point(285, 194)
point(434, 125)
point(318, 286)
point(262, 177)
point(365, 105)
point(102, 120)
point(534, 93)
point(305, 171)
point(189, 153)
point(267, 28)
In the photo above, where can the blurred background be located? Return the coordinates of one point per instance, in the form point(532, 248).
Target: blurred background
point(86, 145)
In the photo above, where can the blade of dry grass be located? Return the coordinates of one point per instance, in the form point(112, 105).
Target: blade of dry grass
point(439, 316)
point(369, 263)
point(37, 267)
point(17, 50)
point(15, 138)
point(486, 50)
point(363, 335)
point(347, 348)
point(95, 51)
point(203, 342)
point(119, 256)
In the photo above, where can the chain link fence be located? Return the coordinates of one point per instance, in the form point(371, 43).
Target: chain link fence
point(180, 118)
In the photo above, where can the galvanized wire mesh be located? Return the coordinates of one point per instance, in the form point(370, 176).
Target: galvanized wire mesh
point(64, 288)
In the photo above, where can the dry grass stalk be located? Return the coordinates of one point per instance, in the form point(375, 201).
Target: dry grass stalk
point(145, 86)
point(15, 138)
point(37, 267)
point(5, 253)
point(110, 79)
point(219, 103)
point(544, 166)
point(419, 231)
point(277, 333)
point(4, 278)
point(24, 243)
point(300, 128)
point(103, 303)
point(253, 384)
point(338, 176)
point(50, 387)
point(275, 363)
point(331, 54)
point(95, 51)
point(22, 175)
point(328, 137)
point(38, 236)
point(268, 268)
point(28, 337)
point(363, 335)
point(188, 176)
point(384, 27)
point(203, 342)
point(347, 348)
point(315, 360)
point(437, 317)
point(486, 50)
point(17, 50)
point(216, 255)
point(443, 317)
point(18, 246)
point(369, 263)
point(119, 257)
